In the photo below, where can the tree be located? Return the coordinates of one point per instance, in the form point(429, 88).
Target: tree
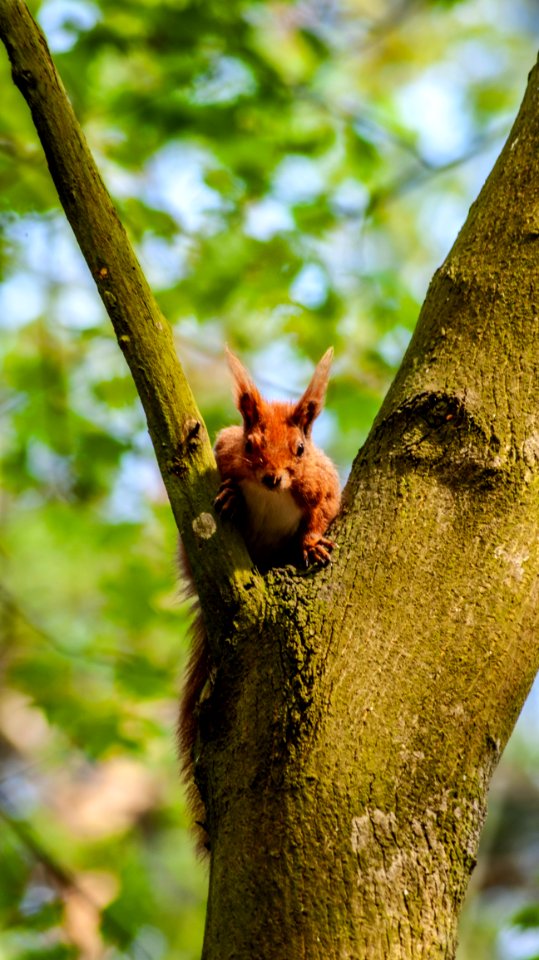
point(442, 493)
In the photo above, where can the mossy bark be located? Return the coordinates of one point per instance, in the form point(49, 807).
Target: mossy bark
point(220, 564)
point(347, 771)
point(348, 742)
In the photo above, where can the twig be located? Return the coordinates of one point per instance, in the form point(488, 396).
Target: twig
point(63, 877)
point(178, 433)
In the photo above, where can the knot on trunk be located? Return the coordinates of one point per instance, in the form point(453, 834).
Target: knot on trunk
point(439, 432)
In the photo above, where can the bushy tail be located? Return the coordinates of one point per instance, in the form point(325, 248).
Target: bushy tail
point(197, 676)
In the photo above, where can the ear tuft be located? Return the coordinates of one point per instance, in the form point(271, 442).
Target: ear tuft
point(312, 401)
point(246, 396)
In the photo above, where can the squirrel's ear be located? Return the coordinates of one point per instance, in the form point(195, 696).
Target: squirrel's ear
point(312, 401)
point(246, 396)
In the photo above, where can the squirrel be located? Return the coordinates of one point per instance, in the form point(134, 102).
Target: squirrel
point(282, 492)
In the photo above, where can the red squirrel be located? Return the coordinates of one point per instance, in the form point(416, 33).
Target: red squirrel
point(282, 492)
point(279, 488)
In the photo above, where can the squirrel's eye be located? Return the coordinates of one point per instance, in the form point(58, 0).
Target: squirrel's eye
point(300, 449)
point(248, 445)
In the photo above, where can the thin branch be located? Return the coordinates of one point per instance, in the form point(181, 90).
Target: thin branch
point(411, 179)
point(381, 29)
point(10, 605)
point(219, 562)
point(63, 878)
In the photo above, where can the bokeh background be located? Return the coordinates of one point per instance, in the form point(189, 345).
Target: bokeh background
point(291, 174)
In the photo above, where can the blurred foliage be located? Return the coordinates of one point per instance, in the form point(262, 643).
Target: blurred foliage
point(291, 174)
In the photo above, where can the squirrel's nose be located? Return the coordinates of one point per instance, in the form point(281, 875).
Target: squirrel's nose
point(271, 481)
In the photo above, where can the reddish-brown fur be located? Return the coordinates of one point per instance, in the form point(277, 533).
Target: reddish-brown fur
point(282, 492)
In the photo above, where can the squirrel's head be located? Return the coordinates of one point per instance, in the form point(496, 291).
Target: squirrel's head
point(277, 436)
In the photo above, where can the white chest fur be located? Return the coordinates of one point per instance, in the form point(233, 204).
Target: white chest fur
point(274, 515)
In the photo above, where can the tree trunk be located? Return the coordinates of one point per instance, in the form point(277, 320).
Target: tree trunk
point(348, 760)
point(347, 746)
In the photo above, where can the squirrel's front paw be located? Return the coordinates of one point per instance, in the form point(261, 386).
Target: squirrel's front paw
point(229, 499)
point(317, 549)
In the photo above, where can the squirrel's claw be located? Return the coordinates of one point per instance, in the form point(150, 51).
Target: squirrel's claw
point(318, 550)
point(228, 499)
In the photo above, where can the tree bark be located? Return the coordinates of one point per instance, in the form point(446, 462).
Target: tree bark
point(358, 711)
point(348, 781)
point(220, 565)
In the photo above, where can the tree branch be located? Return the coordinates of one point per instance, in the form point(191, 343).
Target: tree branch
point(63, 878)
point(219, 562)
point(458, 346)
